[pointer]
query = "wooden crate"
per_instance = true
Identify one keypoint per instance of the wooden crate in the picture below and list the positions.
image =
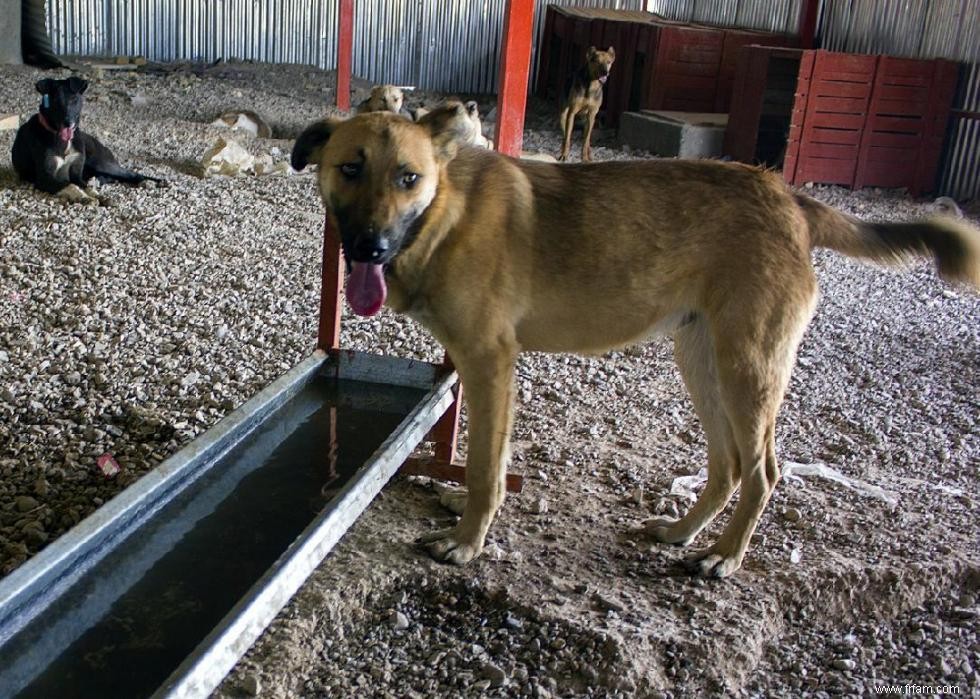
(684, 74)
(734, 41)
(621, 34)
(903, 138)
(832, 99)
(562, 51)
(660, 64)
(759, 119)
(855, 120)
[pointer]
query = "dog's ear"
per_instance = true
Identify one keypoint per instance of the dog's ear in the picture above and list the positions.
(77, 85)
(591, 52)
(472, 107)
(449, 126)
(44, 86)
(611, 51)
(310, 143)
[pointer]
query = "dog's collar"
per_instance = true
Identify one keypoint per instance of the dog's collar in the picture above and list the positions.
(48, 127)
(45, 124)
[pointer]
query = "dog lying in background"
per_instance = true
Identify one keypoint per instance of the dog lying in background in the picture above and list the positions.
(57, 157)
(474, 131)
(497, 256)
(583, 94)
(384, 98)
(244, 120)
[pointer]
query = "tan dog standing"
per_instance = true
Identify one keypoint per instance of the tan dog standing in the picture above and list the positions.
(583, 94)
(496, 256)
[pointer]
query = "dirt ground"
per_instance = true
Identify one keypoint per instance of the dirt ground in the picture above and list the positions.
(189, 298)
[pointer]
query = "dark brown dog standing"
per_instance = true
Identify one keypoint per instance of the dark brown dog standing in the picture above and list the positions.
(496, 256)
(584, 94)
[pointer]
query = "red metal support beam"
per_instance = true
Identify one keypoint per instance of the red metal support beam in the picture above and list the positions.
(445, 435)
(807, 27)
(515, 64)
(345, 52)
(331, 281)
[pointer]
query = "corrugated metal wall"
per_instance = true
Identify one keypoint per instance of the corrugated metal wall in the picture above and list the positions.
(767, 15)
(452, 45)
(291, 31)
(445, 45)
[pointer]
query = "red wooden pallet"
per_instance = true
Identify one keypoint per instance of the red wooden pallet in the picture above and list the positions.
(903, 137)
(832, 98)
(856, 120)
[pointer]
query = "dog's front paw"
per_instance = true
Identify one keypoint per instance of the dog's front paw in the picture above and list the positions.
(666, 530)
(448, 546)
(713, 563)
(76, 195)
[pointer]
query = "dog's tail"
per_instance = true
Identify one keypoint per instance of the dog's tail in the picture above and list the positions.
(952, 243)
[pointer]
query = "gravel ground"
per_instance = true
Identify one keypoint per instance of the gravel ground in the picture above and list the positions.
(130, 328)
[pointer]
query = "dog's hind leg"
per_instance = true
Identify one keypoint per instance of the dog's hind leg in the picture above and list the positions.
(695, 356)
(113, 172)
(101, 164)
(754, 358)
(488, 383)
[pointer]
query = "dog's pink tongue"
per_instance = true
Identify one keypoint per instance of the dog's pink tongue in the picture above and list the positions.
(366, 289)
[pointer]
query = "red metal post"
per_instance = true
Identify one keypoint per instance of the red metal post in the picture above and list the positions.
(345, 52)
(515, 64)
(445, 434)
(328, 333)
(807, 27)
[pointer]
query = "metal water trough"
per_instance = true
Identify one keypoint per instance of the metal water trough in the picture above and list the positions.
(162, 590)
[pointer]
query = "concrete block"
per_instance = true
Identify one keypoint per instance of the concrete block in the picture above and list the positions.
(674, 134)
(9, 122)
(10, 46)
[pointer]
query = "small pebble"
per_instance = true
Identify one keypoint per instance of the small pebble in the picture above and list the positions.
(25, 503)
(398, 621)
(250, 685)
(495, 674)
(539, 506)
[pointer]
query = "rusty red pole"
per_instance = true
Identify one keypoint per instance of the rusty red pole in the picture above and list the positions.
(331, 281)
(515, 63)
(345, 52)
(807, 27)
(445, 434)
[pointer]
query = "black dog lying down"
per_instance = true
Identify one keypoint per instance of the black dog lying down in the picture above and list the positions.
(57, 157)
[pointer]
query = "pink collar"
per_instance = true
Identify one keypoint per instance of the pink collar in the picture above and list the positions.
(56, 132)
(44, 123)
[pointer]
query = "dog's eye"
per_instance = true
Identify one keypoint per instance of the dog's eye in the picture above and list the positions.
(351, 170)
(409, 179)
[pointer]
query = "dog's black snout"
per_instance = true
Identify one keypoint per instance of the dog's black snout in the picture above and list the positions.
(370, 249)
